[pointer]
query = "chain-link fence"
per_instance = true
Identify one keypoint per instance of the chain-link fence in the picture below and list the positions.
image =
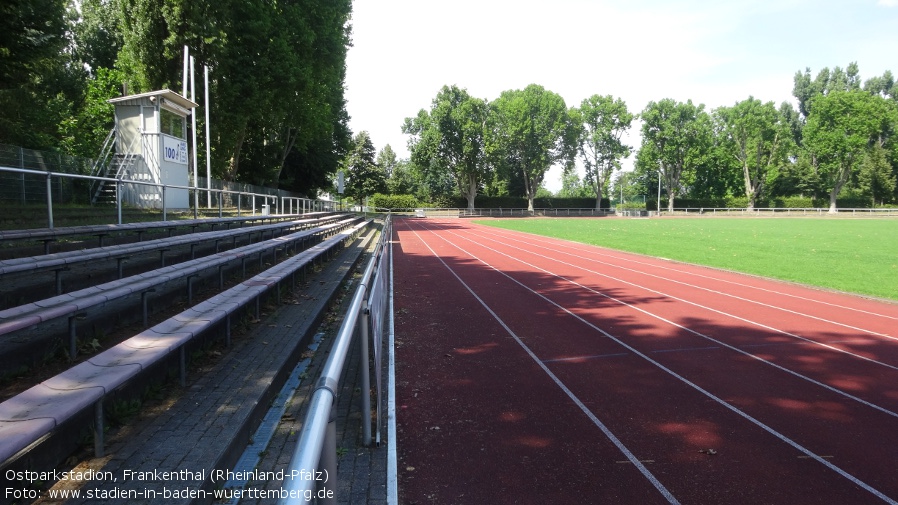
(26, 188)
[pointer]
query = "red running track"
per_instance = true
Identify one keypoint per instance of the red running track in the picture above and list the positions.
(535, 370)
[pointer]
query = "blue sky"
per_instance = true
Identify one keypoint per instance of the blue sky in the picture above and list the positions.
(716, 53)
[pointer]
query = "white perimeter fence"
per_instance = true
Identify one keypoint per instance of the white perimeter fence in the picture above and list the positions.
(684, 211)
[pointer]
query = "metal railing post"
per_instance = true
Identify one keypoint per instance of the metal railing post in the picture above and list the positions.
(118, 199)
(49, 200)
(366, 378)
(328, 463)
(22, 166)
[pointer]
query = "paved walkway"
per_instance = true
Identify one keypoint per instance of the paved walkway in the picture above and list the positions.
(171, 455)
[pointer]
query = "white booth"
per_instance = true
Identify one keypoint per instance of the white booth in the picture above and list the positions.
(151, 146)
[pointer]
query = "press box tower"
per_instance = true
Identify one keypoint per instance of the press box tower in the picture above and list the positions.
(151, 146)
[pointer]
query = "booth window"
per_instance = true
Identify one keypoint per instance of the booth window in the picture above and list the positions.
(172, 124)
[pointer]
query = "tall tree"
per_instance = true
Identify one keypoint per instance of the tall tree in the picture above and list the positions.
(363, 177)
(875, 176)
(312, 65)
(805, 89)
(603, 120)
(83, 132)
(840, 131)
(572, 186)
(142, 56)
(758, 138)
(450, 138)
(675, 140)
(387, 161)
(98, 35)
(32, 64)
(882, 85)
(529, 132)
(402, 180)
(277, 80)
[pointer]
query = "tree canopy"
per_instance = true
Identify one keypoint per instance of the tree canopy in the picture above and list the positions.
(529, 131)
(841, 129)
(602, 121)
(364, 177)
(839, 143)
(278, 113)
(758, 138)
(450, 138)
(675, 141)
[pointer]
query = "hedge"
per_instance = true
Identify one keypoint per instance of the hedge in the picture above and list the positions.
(380, 201)
(514, 202)
(791, 202)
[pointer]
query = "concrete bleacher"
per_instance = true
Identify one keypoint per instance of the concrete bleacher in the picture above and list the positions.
(50, 235)
(29, 418)
(65, 261)
(44, 319)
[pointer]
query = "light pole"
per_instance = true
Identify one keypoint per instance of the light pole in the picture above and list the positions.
(621, 180)
(659, 193)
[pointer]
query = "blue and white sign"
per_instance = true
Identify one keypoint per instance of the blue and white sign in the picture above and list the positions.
(174, 150)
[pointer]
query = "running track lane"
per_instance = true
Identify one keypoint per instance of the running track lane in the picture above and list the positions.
(541, 371)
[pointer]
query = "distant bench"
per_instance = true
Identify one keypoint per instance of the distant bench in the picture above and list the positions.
(76, 304)
(60, 262)
(48, 235)
(31, 417)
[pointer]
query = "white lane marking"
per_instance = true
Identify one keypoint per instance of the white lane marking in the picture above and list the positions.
(677, 325)
(510, 234)
(733, 316)
(807, 452)
(605, 430)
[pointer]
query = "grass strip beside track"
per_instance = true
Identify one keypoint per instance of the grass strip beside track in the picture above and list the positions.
(853, 255)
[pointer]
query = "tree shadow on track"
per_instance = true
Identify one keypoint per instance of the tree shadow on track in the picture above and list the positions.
(476, 411)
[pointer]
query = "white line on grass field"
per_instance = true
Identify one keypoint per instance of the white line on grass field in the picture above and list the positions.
(807, 452)
(607, 432)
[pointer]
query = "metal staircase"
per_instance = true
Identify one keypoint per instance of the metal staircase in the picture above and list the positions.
(110, 165)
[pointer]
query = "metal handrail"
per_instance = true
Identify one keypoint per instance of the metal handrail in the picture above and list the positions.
(119, 181)
(107, 149)
(104, 152)
(314, 461)
(102, 161)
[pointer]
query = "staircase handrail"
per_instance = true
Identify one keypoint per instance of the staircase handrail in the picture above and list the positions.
(129, 156)
(103, 159)
(104, 153)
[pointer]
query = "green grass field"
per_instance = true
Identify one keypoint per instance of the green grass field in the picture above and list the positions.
(855, 255)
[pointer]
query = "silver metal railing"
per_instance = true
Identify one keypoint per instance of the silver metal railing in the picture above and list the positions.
(312, 472)
(251, 198)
